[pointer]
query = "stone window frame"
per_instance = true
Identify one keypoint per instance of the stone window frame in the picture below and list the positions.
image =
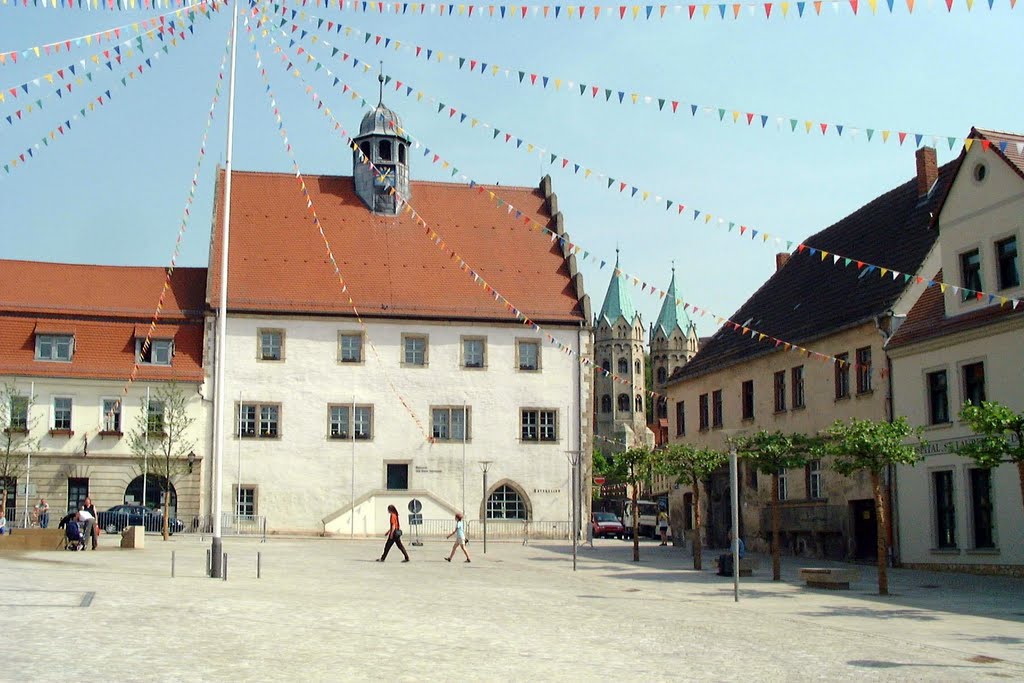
(410, 336)
(260, 358)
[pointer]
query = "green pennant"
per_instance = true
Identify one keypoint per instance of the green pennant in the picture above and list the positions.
(610, 181)
(89, 76)
(387, 79)
(661, 104)
(496, 131)
(367, 39)
(668, 204)
(952, 141)
(440, 107)
(607, 94)
(721, 114)
(789, 246)
(522, 75)
(792, 125)
(583, 88)
(731, 226)
(846, 261)
(870, 132)
(553, 157)
(462, 60)
(318, 66)
(124, 82)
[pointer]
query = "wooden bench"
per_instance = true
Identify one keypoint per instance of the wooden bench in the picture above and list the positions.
(133, 537)
(831, 579)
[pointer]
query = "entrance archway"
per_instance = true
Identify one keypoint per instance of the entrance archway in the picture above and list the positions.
(154, 493)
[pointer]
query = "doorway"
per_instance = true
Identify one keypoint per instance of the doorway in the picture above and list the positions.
(865, 529)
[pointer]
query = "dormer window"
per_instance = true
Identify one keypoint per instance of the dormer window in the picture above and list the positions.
(159, 351)
(55, 347)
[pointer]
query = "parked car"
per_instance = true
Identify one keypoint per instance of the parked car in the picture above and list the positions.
(606, 524)
(118, 517)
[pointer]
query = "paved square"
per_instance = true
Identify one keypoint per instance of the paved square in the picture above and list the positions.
(324, 610)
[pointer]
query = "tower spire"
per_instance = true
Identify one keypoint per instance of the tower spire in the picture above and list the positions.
(380, 80)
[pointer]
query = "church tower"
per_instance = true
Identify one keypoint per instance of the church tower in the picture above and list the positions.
(382, 141)
(673, 341)
(621, 420)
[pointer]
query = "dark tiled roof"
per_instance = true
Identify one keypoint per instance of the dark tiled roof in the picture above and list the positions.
(807, 299)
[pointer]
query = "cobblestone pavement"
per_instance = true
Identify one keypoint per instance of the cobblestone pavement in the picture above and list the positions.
(324, 610)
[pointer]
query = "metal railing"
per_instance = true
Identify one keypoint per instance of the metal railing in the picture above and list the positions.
(497, 529)
(230, 525)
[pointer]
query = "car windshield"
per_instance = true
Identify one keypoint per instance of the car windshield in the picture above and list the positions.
(605, 517)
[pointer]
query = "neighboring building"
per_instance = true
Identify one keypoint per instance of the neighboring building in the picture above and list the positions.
(954, 348)
(737, 384)
(620, 396)
(332, 416)
(70, 336)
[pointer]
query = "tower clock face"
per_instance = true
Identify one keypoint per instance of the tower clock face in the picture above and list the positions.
(384, 176)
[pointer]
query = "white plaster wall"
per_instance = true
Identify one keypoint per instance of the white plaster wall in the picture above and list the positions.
(303, 477)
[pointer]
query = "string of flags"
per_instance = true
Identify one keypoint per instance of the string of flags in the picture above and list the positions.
(620, 186)
(110, 34)
(91, 106)
(101, 5)
(600, 93)
(186, 215)
(323, 236)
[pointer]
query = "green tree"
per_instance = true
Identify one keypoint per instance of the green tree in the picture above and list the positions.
(1002, 432)
(16, 442)
(632, 467)
(873, 446)
(771, 453)
(690, 466)
(160, 440)
(601, 468)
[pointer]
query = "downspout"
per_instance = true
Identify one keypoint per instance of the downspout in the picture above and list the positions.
(890, 405)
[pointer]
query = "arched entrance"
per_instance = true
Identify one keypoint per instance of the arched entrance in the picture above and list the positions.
(154, 490)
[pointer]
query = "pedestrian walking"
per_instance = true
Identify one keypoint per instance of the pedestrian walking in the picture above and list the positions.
(94, 533)
(43, 513)
(460, 538)
(663, 526)
(394, 535)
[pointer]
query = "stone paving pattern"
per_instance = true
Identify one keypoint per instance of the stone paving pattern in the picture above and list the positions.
(324, 610)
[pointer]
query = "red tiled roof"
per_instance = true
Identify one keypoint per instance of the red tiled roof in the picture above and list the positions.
(279, 264)
(1010, 154)
(102, 306)
(927, 318)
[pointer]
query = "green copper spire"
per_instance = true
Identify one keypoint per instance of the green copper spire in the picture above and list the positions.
(672, 315)
(617, 302)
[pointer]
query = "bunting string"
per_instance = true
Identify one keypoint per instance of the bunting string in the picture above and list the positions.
(109, 34)
(599, 93)
(315, 219)
(101, 100)
(99, 5)
(619, 186)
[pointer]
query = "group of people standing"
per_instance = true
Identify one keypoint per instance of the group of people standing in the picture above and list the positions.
(394, 537)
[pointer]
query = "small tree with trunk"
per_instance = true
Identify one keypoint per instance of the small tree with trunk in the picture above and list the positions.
(160, 440)
(632, 467)
(873, 446)
(1002, 437)
(770, 453)
(16, 442)
(690, 466)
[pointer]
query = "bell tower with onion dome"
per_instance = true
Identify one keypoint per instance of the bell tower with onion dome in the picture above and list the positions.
(382, 141)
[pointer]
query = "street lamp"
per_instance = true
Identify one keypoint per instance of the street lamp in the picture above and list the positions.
(484, 466)
(574, 486)
(734, 484)
(191, 461)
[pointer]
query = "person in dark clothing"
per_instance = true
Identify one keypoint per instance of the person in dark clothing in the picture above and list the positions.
(94, 532)
(725, 566)
(394, 536)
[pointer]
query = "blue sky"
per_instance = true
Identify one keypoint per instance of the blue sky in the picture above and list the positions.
(113, 189)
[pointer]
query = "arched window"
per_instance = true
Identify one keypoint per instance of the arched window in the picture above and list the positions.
(639, 404)
(662, 375)
(506, 503)
(385, 150)
(638, 368)
(623, 366)
(401, 154)
(606, 403)
(624, 403)
(606, 366)
(663, 407)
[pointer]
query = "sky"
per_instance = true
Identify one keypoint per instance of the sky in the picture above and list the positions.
(112, 190)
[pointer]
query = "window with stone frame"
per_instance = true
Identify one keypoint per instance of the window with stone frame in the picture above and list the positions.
(450, 423)
(798, 387)
(1006, 260)
(703, 414)
(780, 391)
(62, 406)
(938, 397)
(258, 420)
(863, 358)
(350, 347)
(842, 375)
(414, 350)
(747, 391)
(680, 418)
(528, 355)
(340, 423)
(717, 409)
(473, 352)
(17, 417)
(271, 345)
(974, 383)
(538, 424)
(55, 347)
(970, 274)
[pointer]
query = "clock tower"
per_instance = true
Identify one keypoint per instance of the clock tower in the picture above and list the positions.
(381, 142)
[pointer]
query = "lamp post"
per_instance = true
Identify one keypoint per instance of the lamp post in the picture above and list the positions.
(191, 461)
(484, 466)
(574, 486)
(735, 495)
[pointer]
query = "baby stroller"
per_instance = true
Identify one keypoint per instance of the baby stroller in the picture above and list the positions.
(73, 539)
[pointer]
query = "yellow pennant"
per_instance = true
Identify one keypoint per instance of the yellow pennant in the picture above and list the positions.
(886, 270)
(706, 9)
(529, 147)
(634, 97)
(942, 287)
(807, 125)
(586, 173)
(885, 136)
(636, 11)
(967, 143)
(646, 195)
(558, 83)
(873, 4)
(785, 8)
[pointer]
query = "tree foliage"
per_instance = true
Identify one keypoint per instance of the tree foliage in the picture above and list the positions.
(1002, 432)
(16, 440)
(690, 466)
(633, 467)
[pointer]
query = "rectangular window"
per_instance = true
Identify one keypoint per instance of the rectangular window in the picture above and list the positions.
(339, 418)
(981, 508)
(528, 354)
(18, 415)
(111, 418)
(62, 414)
(974, 383)
(450, 424)
(798, 387)
(780, 391)
(155, 418)
(539, 425)
(842, 375)
(680, 418)
(58, 347)
(414, 350)
(473, 352)
(703, 416)
(938, 398)
(259, 420)
(748, 399)
(1006, 257)
(814, 479)
(271, 345)
(397, 476)
(945, 509)
(863, 370)
(717, 417)
(783, 485)
(9, 485)
(78, 491)
(159, 351)
(970, 274)
(245, 501)
(350, 348)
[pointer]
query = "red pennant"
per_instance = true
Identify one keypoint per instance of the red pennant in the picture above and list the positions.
(902, 136)
(691, 8)
(853, 4)
(767, 10)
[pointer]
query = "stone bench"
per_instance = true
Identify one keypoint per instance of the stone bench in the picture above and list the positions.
(133, 537)
(831, 579)
(32, 539)
(747, 566)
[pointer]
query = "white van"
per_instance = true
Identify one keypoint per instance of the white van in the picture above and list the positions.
(647, 511)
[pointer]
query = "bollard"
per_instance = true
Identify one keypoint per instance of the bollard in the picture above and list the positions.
(208, 570)
(225, 567)
(258, 563)
(172, 564)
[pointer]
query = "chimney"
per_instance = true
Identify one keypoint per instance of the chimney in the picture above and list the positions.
(781, 259)
(927, 170)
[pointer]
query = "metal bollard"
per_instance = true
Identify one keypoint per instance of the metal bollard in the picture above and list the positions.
(258, 563)
(225, 567)
(172, 564)
(208, 567)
